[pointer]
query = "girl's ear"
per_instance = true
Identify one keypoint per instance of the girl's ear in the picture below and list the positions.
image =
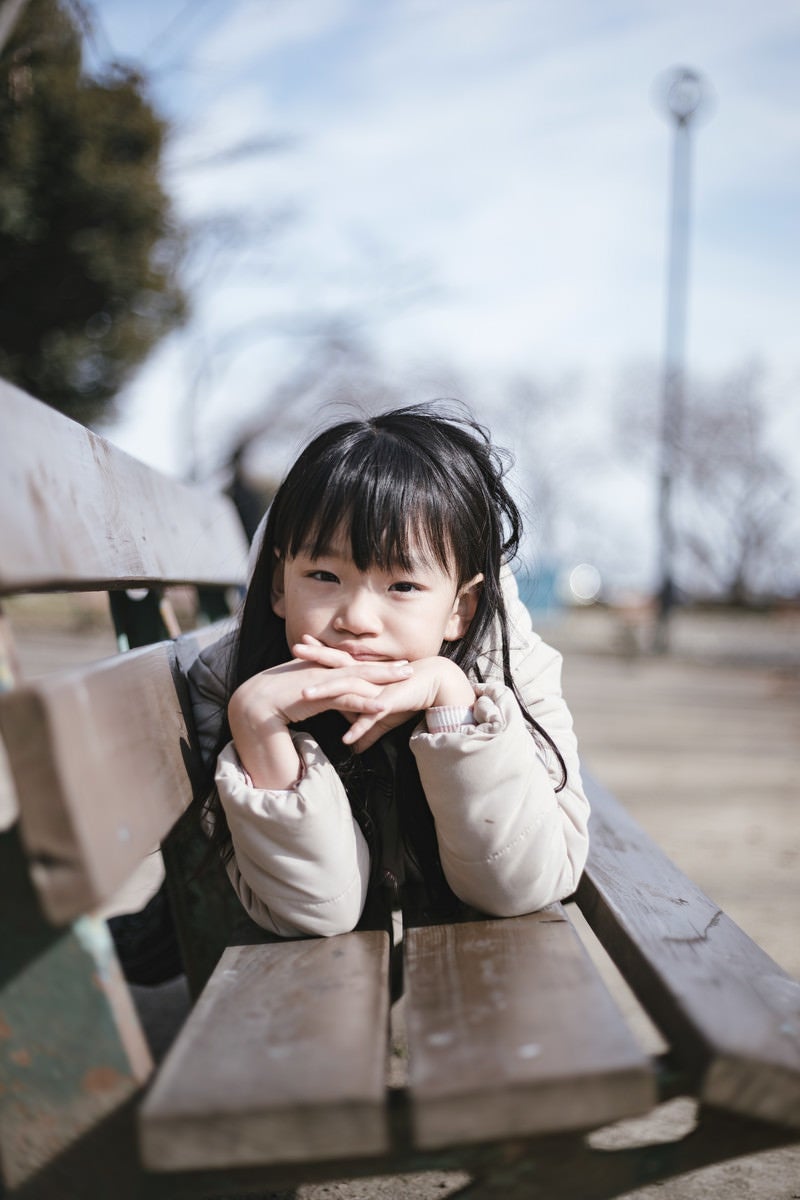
(463, 610)
(277, 593)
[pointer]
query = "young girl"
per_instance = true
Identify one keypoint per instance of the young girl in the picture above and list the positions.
(385, 719)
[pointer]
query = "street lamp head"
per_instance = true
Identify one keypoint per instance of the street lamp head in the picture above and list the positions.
(683, 94)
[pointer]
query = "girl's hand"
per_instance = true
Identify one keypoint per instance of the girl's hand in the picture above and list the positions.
(428, 682)
(297, 690)
(312, 650)
(434, 681)
(263, 707)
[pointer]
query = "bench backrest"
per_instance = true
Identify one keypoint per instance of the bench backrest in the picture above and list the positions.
(79, 514)
(99, 753)
(95, 770)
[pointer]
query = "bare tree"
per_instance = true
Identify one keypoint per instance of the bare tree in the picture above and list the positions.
(544, 423)
(733, 510)
(234, 390)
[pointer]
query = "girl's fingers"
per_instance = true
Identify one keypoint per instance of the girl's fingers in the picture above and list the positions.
(366, 728)
(323, 655)
(310, 650)
(360, 726)
(357, 706)
(364, 731)
(367, 675)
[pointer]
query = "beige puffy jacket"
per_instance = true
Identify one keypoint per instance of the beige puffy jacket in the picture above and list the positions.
(508, 842)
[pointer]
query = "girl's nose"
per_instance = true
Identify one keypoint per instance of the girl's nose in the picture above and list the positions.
(357, 614)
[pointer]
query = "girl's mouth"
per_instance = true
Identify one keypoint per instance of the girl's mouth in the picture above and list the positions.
(363, 655)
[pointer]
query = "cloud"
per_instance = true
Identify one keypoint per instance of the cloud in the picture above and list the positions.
(514, 145)
(252, 32)
(507, 158)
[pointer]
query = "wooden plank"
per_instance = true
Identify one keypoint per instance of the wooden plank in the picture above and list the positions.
(282, 1060)
(731, 1014)
(99, 757)
(79, 513)
(511, 1032)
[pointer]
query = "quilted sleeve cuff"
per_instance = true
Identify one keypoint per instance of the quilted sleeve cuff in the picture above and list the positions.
(448, 718)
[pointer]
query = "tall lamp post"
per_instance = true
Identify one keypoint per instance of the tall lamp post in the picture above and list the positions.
(682, 94)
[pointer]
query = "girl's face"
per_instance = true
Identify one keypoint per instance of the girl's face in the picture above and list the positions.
(374, 614)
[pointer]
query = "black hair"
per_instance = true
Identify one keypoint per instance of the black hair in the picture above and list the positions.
(423, 479)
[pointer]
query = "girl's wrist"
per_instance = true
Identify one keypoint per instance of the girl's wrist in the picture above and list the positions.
(265, 748)
(454, 689)
(272, 762)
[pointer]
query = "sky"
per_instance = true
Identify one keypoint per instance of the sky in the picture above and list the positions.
(478, 192)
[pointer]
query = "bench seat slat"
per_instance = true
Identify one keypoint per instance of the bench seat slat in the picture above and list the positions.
(731, 1014)
(511, 1032)
(99, 756)
(78, 512)
(283, 1059)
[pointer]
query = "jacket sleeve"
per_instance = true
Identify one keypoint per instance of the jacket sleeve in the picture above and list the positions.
(509, 841)
(300, 863)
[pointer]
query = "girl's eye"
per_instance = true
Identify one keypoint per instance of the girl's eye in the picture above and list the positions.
(404, 585)
(323, 576)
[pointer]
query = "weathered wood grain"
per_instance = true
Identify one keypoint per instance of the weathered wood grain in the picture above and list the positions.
(511, 1032)
(99, 757)
(731, 1014)
(283, 1059)
(79, 513)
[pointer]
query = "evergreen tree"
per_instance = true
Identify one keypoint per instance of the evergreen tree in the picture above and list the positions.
(88, 248)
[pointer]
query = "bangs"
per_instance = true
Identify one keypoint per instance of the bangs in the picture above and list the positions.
(417, 485)
(387, 504)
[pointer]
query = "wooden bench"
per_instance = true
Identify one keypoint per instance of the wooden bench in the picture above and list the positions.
(517, 1051)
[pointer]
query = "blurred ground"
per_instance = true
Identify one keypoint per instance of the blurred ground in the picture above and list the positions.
(701, 745)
